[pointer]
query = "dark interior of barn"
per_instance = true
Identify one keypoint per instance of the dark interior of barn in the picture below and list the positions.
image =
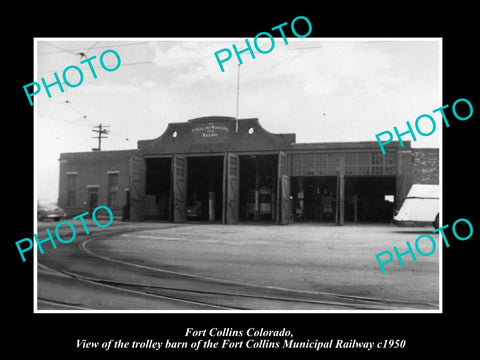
(157, 188)
(258, 172)
(366, 199)
(204, 188)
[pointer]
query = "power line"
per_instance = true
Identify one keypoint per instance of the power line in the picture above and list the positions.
(60, 48)
(101, 131)
(124, 138)
(75, 121)
(73, 51)
(75, 109)
(98, 67)
(306, 47)
(139, 63)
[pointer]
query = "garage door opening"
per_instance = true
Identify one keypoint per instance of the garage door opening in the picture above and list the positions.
(157, 188)
(204, 188)
(369, 199)
(258, 185)
(314, 198)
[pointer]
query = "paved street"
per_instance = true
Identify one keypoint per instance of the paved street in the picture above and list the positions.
(163, 266)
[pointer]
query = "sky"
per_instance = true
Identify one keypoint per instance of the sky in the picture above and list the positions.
(323, 90)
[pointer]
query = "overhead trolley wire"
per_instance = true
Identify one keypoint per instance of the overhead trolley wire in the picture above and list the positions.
(73, 51)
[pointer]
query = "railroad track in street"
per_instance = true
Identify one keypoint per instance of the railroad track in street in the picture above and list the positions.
(209, 293)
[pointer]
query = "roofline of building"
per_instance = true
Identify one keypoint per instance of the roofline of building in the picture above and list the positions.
(347, 145)
(96, 153)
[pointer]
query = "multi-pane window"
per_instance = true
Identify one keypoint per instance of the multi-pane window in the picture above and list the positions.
(355, 163)
(233, 166)
(112, 185)
(390, 163)
(71, 188)
(377, 163)
(321, 162)
(180, 167)
(333, 163)
(308, 163)
(363, 163)
(296, 164)
(350, 163)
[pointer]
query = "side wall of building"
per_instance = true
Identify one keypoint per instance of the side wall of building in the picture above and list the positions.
(425, 166)
(90, 179)
(416, 166)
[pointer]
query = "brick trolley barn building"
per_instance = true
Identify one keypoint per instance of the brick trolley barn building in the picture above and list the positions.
(230, 171)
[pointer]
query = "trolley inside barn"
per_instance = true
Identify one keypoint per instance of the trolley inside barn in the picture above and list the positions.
(220, 169)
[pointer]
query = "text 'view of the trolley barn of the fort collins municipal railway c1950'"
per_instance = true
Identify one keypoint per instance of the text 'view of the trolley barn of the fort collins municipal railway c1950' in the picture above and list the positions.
(227, 170)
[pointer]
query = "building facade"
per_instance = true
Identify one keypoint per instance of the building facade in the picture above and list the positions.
(220, 169)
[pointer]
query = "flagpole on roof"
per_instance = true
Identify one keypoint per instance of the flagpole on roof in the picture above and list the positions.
(238, 94)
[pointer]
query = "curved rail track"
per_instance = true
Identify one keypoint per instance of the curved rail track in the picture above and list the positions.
(209, 293)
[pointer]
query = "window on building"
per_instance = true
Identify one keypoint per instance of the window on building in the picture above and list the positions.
(112, 198)
(351, 164)
(390, 163)
(377, 163)
(363, 163)
(297, 165)
(71, 189)
(321, 164)
(233, 166)
(308, 163)
(180, 167)
(356, 163)
(333, 163)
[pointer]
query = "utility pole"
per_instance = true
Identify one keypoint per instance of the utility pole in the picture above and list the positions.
(101, 131)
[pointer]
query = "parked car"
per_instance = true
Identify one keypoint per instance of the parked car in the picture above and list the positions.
(196, 210)
(49, 210)
(420, 206)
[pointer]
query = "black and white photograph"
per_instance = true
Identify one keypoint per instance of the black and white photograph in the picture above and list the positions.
(247, 186)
